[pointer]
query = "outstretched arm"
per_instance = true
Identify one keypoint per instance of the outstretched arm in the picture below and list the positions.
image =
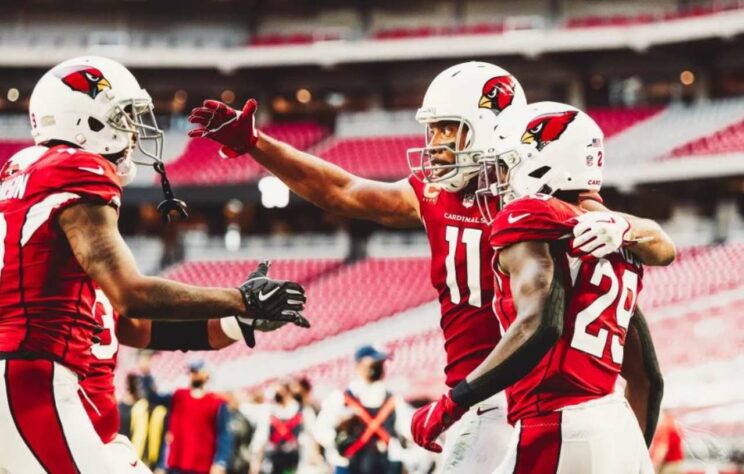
(653, 246)
(94, 239)
(322, 183)
(645, 385)
(334, 189)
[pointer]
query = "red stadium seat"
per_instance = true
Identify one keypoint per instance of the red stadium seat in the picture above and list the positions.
(728, 140)
(200, 164)
(371, 157)
(613, 121)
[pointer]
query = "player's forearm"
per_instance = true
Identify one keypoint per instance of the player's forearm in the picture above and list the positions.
(655, 247)
(160, 299)
(645, 388)
(336, 190)
(312, 178)
(521, 348)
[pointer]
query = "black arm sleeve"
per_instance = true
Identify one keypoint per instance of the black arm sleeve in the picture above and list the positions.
(526, 357)
(179, 336)
(653, 372)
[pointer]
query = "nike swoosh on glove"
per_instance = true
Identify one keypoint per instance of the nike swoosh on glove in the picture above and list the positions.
(236, 132)
(433, 419)
(600, 233)
(270, 303)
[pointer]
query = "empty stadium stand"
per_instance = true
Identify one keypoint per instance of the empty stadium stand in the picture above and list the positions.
(371, 157)
(697, 272)
(201, 164)
(613, 120)
(705, 330)
(671, 128)
(728, 140)
(346, 297)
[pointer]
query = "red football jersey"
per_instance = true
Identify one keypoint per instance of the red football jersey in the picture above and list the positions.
(600, 300)
(460, 272)
(98, 395)
(46, 299)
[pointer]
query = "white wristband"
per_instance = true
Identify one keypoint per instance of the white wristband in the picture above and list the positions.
(231, 328)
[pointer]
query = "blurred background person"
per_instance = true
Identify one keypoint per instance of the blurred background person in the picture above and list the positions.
(199, 441)
(143, 412)
(276, 442)
(361, 426)
(667, 451)
(241, 432)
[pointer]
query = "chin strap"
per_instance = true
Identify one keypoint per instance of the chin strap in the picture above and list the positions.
(171, 209)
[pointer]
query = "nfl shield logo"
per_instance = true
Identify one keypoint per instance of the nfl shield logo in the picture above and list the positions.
(468, 201)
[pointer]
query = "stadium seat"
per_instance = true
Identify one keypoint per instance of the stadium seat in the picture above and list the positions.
(697, 272)
(615, 120)
(727, 140)
(371, 157)
(341, 298)
(200, 163)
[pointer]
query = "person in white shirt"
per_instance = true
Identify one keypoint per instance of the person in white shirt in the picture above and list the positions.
(361, 427)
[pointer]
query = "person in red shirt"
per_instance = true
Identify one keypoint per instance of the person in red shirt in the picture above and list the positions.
(198, 438)
(440, 196)
(59, 205)
(667, 451)
(565, 317)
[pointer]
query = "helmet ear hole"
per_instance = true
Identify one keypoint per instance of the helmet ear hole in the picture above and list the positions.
(95, 124)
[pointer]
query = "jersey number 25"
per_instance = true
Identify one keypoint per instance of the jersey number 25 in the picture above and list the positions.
(627, 287)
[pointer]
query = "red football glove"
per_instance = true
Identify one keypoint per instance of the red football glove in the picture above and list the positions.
(432, 420)
(236, 133)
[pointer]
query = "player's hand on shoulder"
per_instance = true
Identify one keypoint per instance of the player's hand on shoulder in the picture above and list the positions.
(431, 420)
(235, 131)
(600, 233)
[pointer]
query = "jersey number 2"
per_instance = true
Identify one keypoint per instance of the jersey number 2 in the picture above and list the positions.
(595, 344)
(471, 238)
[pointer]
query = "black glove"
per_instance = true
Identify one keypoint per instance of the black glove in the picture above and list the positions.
(271, 303)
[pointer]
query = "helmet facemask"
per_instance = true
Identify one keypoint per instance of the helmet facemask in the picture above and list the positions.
(428, 167)
(494, 188)
(136, 117)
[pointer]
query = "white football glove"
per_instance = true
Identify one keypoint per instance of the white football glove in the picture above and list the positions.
(600, 233)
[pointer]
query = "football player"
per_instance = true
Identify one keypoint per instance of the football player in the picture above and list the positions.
(97, 389)
(59, 205)
(440, 195)
(565, 317)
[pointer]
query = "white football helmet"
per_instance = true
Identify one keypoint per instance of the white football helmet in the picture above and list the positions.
(546, 147)
(475, 95)
(95, 103)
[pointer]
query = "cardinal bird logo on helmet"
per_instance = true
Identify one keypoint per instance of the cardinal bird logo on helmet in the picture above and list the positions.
(497, 94)
(85, 79)
(547, 128)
